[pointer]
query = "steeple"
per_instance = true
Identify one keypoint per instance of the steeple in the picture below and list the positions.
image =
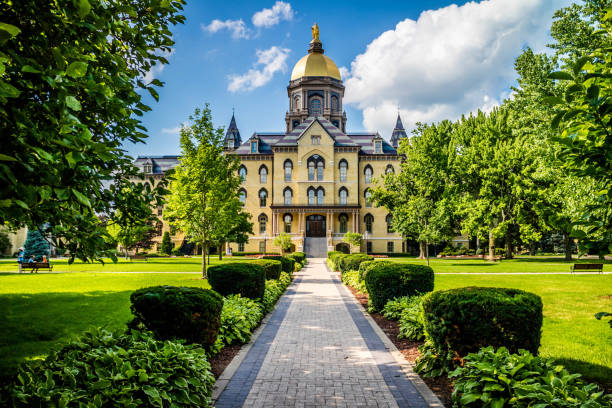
(232, 135)
(398, 132)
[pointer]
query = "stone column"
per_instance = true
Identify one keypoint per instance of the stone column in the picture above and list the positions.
(273, 223)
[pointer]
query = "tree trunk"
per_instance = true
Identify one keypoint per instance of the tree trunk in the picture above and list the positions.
(220, 252)
(427, 252)
(491, 245)
(532, 248)
(508, 243)
(203, 261)
(422, 249)
(567, 246)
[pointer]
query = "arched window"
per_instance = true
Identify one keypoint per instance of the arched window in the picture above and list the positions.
(288, 169)
(148, 168)
(288, 194)
(368, 174)
(320, 171)
(320, 194)
(242, 173)
(343, 218)
(389, 169)
(315, 162)
(311, 171)
(263, 197)
(343, 194)
(296, 103)
(316, 140)
(263, 220)
(368, 198)
(315, 107)
(230, 142)
(334, 103)
(311, 196)
(296, 123)
(242, 196)
(288, 218)
(343, 169)
(389, 220)
(263, 174)
(158, 228)
(369, 220)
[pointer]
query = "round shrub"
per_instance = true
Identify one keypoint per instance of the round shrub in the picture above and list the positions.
(171, 312)
(386, 281)
(463, 320)
(288, 264)
(273, 268)
(351, 262)
(299, 257)
(333, 258)
(365, 266)
(104, 369)
(245, 278)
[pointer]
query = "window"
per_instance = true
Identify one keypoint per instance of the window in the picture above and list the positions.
(262, 247)
(369, 247)
(242, 196)
(296, 123)
(288, 194)
(368, 198)
(378, 146)
(263, 197)
(320, 171)
(343, 195)
(242, 173)
(316, 140)
(389, 220)
(315, 162)
(230, 142)
(369, 220)
(158, 228)
(288, 169)
(311, 196)
(368, 174)
(288, 218)
(389, 169)
(343, 169)
(263, 174)
(263, 219)
(334, 103)
(148, 168)
(311, 171)
(315, 107)
(254, 146)
(390, 247)
(241, 247)
(160, 211)
(320, 194)
(343, 218)
(336, 124)
(296, 103)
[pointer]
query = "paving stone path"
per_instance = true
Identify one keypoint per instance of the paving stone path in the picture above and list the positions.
(318, 350)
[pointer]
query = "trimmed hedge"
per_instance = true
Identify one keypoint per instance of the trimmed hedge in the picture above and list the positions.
(463, 320)
(351, 262)
(386, 281)
(365, 266)
(333, 258)
(288, 264)
(245, 278)
(171, 312)
(299, 257)
(273, 268)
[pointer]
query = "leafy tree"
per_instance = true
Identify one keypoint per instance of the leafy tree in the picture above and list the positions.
(283, 241)
(203, 201)
(71, 83)
(240, 231)
(133, 236)
(35, 245)
(166, 244)
(353, 239)
(5, 243)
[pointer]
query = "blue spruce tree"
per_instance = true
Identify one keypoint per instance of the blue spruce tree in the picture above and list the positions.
(35, 245)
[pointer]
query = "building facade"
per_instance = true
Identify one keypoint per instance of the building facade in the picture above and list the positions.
(314, 179)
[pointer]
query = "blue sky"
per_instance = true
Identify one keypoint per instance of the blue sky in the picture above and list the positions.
(435, 59)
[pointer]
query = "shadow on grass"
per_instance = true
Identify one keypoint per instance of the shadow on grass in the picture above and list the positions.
(557, 260)
(34, 324)
(472, 264)
(590, 372)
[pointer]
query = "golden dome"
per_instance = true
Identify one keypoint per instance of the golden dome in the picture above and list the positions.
(316, 65)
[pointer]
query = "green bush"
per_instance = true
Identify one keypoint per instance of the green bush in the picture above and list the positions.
(274, 290)
(244, 278)
(298, 267)
(299, 257)
(408, 311)
(287, 263)
(351, 262)
(103, 369)
(351, 278)
(386, 281)
(365, 266)
(463, 320)
(239, 318)
(494, 379)
(170, 312)
(273, 268)
(177, 252)
(332, 256)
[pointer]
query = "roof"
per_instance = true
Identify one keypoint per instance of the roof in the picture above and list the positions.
(160, 164)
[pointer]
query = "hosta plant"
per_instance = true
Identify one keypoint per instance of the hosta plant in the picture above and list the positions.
(408, 310)
(239, 317)
(351, 278)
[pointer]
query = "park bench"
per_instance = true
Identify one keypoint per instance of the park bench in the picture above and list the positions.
(138, 257)
(35, 266)
(587, 267)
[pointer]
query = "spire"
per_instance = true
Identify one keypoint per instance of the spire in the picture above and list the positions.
(398, 132)
(232, 135)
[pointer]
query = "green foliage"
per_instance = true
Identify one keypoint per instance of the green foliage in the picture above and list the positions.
(108, 369)
(239, 317)
(283, 241)
(463, 320)
(333, 258)
(272, 267)
(287, 263)
(365, 266)
(166, 244)
(170, 312)
(244, 278)
(496, 378)
(70, 97)
(389, 281)
(408, 310)
(5, 243)
(298, 257)
(353, 239)
(351, 278)
(351, 262)
(35, 245)
(274, 290)
(433, 362)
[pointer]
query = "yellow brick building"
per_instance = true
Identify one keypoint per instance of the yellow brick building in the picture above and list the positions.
(312, 180)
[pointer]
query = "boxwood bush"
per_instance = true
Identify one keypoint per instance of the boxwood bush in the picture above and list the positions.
(299, 257)
(332, 257)
(273, 268)
(351, 278)
(170, 312)
(104, 369)
(274, 290)
(365, 266)
(386, 281)
(351, 262)
(288, 264)
(245, 278)
(463, 320)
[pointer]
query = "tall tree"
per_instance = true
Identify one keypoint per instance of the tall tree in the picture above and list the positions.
(35, 245)
(71, 83)
(203, 201)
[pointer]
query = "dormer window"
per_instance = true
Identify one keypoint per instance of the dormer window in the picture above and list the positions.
(230, 142)
(316, 140)
(148, 168)
(378, 146)
(254, 148)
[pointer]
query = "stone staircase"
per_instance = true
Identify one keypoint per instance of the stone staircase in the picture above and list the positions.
(315, 247)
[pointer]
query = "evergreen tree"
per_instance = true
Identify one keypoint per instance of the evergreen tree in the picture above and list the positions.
(35, 245)
(166, 244)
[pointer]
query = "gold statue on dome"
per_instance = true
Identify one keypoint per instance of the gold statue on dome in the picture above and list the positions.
(315, 32)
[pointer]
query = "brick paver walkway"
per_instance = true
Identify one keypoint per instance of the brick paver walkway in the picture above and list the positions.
(319, 350)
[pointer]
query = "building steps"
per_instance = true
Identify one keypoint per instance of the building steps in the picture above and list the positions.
(315, 247)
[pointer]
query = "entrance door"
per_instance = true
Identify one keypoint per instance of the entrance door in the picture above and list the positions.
(315, 226)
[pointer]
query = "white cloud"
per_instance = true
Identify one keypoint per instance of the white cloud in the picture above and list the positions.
(174, 130)
(156, 70)
(237, 27)
(269, 17)
(450, 61)
(272, 60)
